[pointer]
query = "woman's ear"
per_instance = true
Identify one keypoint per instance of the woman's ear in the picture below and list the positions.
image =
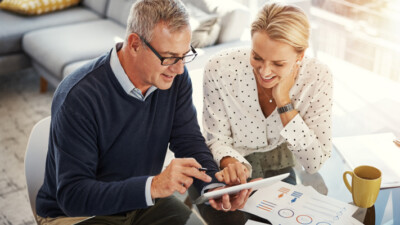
(300, 56)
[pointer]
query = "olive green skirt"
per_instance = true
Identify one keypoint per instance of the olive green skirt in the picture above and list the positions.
(265, 163)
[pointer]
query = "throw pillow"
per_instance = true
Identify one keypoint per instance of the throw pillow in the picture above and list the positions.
(205, 27)
(233, 16)
(36, 7)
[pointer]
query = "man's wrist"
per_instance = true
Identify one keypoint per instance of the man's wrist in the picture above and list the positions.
(152, 188)
(149, 199)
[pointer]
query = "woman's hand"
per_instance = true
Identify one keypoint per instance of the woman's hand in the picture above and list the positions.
(233, 172)
(280, 92)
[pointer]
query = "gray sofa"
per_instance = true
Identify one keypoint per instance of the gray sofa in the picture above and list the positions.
(14, 26)
(55, 44)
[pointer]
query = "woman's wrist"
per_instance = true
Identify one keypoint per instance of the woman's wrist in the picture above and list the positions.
(226, 161)
(280, 102)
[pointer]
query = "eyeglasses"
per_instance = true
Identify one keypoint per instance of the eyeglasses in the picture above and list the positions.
(167, 61)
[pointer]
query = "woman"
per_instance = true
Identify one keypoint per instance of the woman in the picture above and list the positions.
(266, 106)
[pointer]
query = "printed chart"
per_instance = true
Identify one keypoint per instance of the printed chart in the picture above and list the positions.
(283, 203)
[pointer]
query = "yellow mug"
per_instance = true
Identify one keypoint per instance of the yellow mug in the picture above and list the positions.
(366, 183)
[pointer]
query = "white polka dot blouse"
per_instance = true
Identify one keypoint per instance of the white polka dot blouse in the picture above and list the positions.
(234, 124)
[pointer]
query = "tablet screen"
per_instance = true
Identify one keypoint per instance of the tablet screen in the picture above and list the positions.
(235, 189)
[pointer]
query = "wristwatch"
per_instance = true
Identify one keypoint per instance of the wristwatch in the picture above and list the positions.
(285, 108)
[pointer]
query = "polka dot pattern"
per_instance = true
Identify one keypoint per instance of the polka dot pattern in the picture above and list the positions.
(235, 126)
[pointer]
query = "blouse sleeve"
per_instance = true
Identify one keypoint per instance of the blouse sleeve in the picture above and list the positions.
(308, 134)
(216, 124)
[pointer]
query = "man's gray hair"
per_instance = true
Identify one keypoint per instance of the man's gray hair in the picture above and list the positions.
(146, 14)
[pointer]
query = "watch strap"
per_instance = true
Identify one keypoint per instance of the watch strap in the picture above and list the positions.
(285, 108)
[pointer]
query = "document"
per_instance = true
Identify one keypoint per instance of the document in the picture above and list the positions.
(376, 150)
(286, 204)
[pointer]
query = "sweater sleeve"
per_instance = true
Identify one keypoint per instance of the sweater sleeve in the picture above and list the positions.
(74, 140)
(186, 139)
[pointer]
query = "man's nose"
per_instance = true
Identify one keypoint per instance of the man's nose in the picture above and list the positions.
(178, 67)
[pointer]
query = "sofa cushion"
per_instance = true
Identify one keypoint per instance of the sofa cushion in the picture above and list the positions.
(57, 47)
(205, 27)
(13, 26)
(36, 7)
(118, 10)
(234, 17)
(98, 6)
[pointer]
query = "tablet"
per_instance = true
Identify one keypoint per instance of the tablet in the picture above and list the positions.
(235, 189)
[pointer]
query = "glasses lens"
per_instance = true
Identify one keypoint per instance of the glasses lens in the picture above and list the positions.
(172, 60)
(169, 61)
(188, 58)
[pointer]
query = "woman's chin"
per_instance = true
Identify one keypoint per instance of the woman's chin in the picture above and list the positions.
(268, 84)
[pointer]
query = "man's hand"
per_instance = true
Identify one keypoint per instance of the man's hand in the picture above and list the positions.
(178, 176)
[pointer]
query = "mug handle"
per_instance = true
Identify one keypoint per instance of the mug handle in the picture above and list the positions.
(345, 179)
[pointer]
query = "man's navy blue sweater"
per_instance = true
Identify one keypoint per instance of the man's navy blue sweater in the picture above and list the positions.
(104, 144)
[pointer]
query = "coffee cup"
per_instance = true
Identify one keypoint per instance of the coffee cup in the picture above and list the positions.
(365, 185)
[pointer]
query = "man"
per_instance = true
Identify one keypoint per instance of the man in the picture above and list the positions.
(112, 121)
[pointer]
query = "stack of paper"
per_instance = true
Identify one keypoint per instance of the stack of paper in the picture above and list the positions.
(376, 150)
(286, 204)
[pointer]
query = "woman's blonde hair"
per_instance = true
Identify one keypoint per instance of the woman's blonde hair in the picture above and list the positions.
(285, 23)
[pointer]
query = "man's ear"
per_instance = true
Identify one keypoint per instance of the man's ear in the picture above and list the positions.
(134, 42)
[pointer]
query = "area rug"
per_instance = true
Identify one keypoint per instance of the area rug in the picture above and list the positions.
(21, 106)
